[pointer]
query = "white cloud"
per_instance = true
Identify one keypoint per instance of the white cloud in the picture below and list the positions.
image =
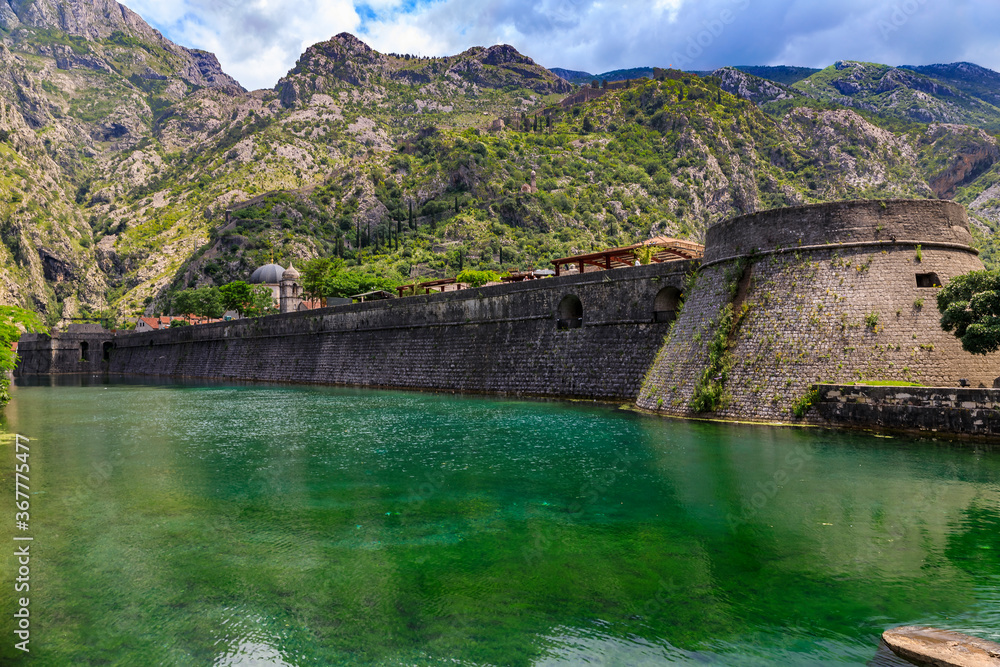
(259, 41)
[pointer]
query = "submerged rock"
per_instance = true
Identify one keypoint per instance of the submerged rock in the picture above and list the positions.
(941, 648)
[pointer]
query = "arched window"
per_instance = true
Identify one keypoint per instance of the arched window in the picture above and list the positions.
(665, 304)
(84, 351)
(928, 280)
(107, 350)
(570, 313)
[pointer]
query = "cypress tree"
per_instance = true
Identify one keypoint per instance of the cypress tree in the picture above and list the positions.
(456, 203)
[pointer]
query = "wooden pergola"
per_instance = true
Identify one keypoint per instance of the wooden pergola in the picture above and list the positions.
(665, 249)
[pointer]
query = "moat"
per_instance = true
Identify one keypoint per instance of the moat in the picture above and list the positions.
(213, 524)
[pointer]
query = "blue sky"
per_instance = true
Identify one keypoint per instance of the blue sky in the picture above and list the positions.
(257, 41)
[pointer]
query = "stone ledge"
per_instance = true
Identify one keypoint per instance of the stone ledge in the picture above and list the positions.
(942, 648)
(945, 410)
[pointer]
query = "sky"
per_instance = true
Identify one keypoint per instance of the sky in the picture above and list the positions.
(258, 41)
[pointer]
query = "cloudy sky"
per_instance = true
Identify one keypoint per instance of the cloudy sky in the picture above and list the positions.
(257, 41)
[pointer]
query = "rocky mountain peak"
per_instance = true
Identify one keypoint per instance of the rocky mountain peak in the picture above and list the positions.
(500, 54)
(750, 87)
(351, 43)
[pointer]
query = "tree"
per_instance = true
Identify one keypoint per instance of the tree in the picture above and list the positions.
(970, 308)
(349, 283)
(209, 302)
(182, 303)
(237, 295)
(588, 125)
(13, 321)
(315, 276)
(477, 278)
(203, 302)
(261, 302)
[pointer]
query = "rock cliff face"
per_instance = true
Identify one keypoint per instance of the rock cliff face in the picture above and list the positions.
(96, 21)
(974, 155)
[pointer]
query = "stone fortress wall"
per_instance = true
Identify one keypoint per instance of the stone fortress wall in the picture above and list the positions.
(829, 293)
(587, 336)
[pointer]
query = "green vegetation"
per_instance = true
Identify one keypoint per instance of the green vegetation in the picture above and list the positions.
(203, 302)
(970, 308)
(710, 393)
(801, 406)
(478, 278)
(13, 321)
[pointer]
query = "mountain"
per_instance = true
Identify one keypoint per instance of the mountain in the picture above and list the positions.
(758, 90)
(573, 76)
(782, 74)
(133, 167)
(970, 79)
(585, 78)
(899, 93)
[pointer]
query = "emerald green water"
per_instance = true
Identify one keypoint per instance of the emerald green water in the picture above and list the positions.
(259, 525)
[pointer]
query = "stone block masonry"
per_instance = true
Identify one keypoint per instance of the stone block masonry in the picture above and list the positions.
(832, 293)
(949, 410)
(503, 339)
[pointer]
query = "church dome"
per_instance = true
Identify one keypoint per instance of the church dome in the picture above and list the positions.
(290, 273)
(269, 274)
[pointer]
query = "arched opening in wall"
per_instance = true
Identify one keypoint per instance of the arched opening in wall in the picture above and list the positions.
(570, 313)
(106, 349)
(928, 280)
(84, 351)
(666, 303)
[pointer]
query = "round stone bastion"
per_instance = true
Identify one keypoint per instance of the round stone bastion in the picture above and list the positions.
(838, 293)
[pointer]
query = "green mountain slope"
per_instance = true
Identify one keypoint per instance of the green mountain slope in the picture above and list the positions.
(133, 167)
(968, 78)
(663, 157)
(899, 93)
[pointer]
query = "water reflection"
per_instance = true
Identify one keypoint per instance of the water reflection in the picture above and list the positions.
(249, 653)
(222, 524)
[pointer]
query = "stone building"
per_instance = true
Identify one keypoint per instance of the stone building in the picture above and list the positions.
(290, 300)
(269, 275)
(836, 293)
